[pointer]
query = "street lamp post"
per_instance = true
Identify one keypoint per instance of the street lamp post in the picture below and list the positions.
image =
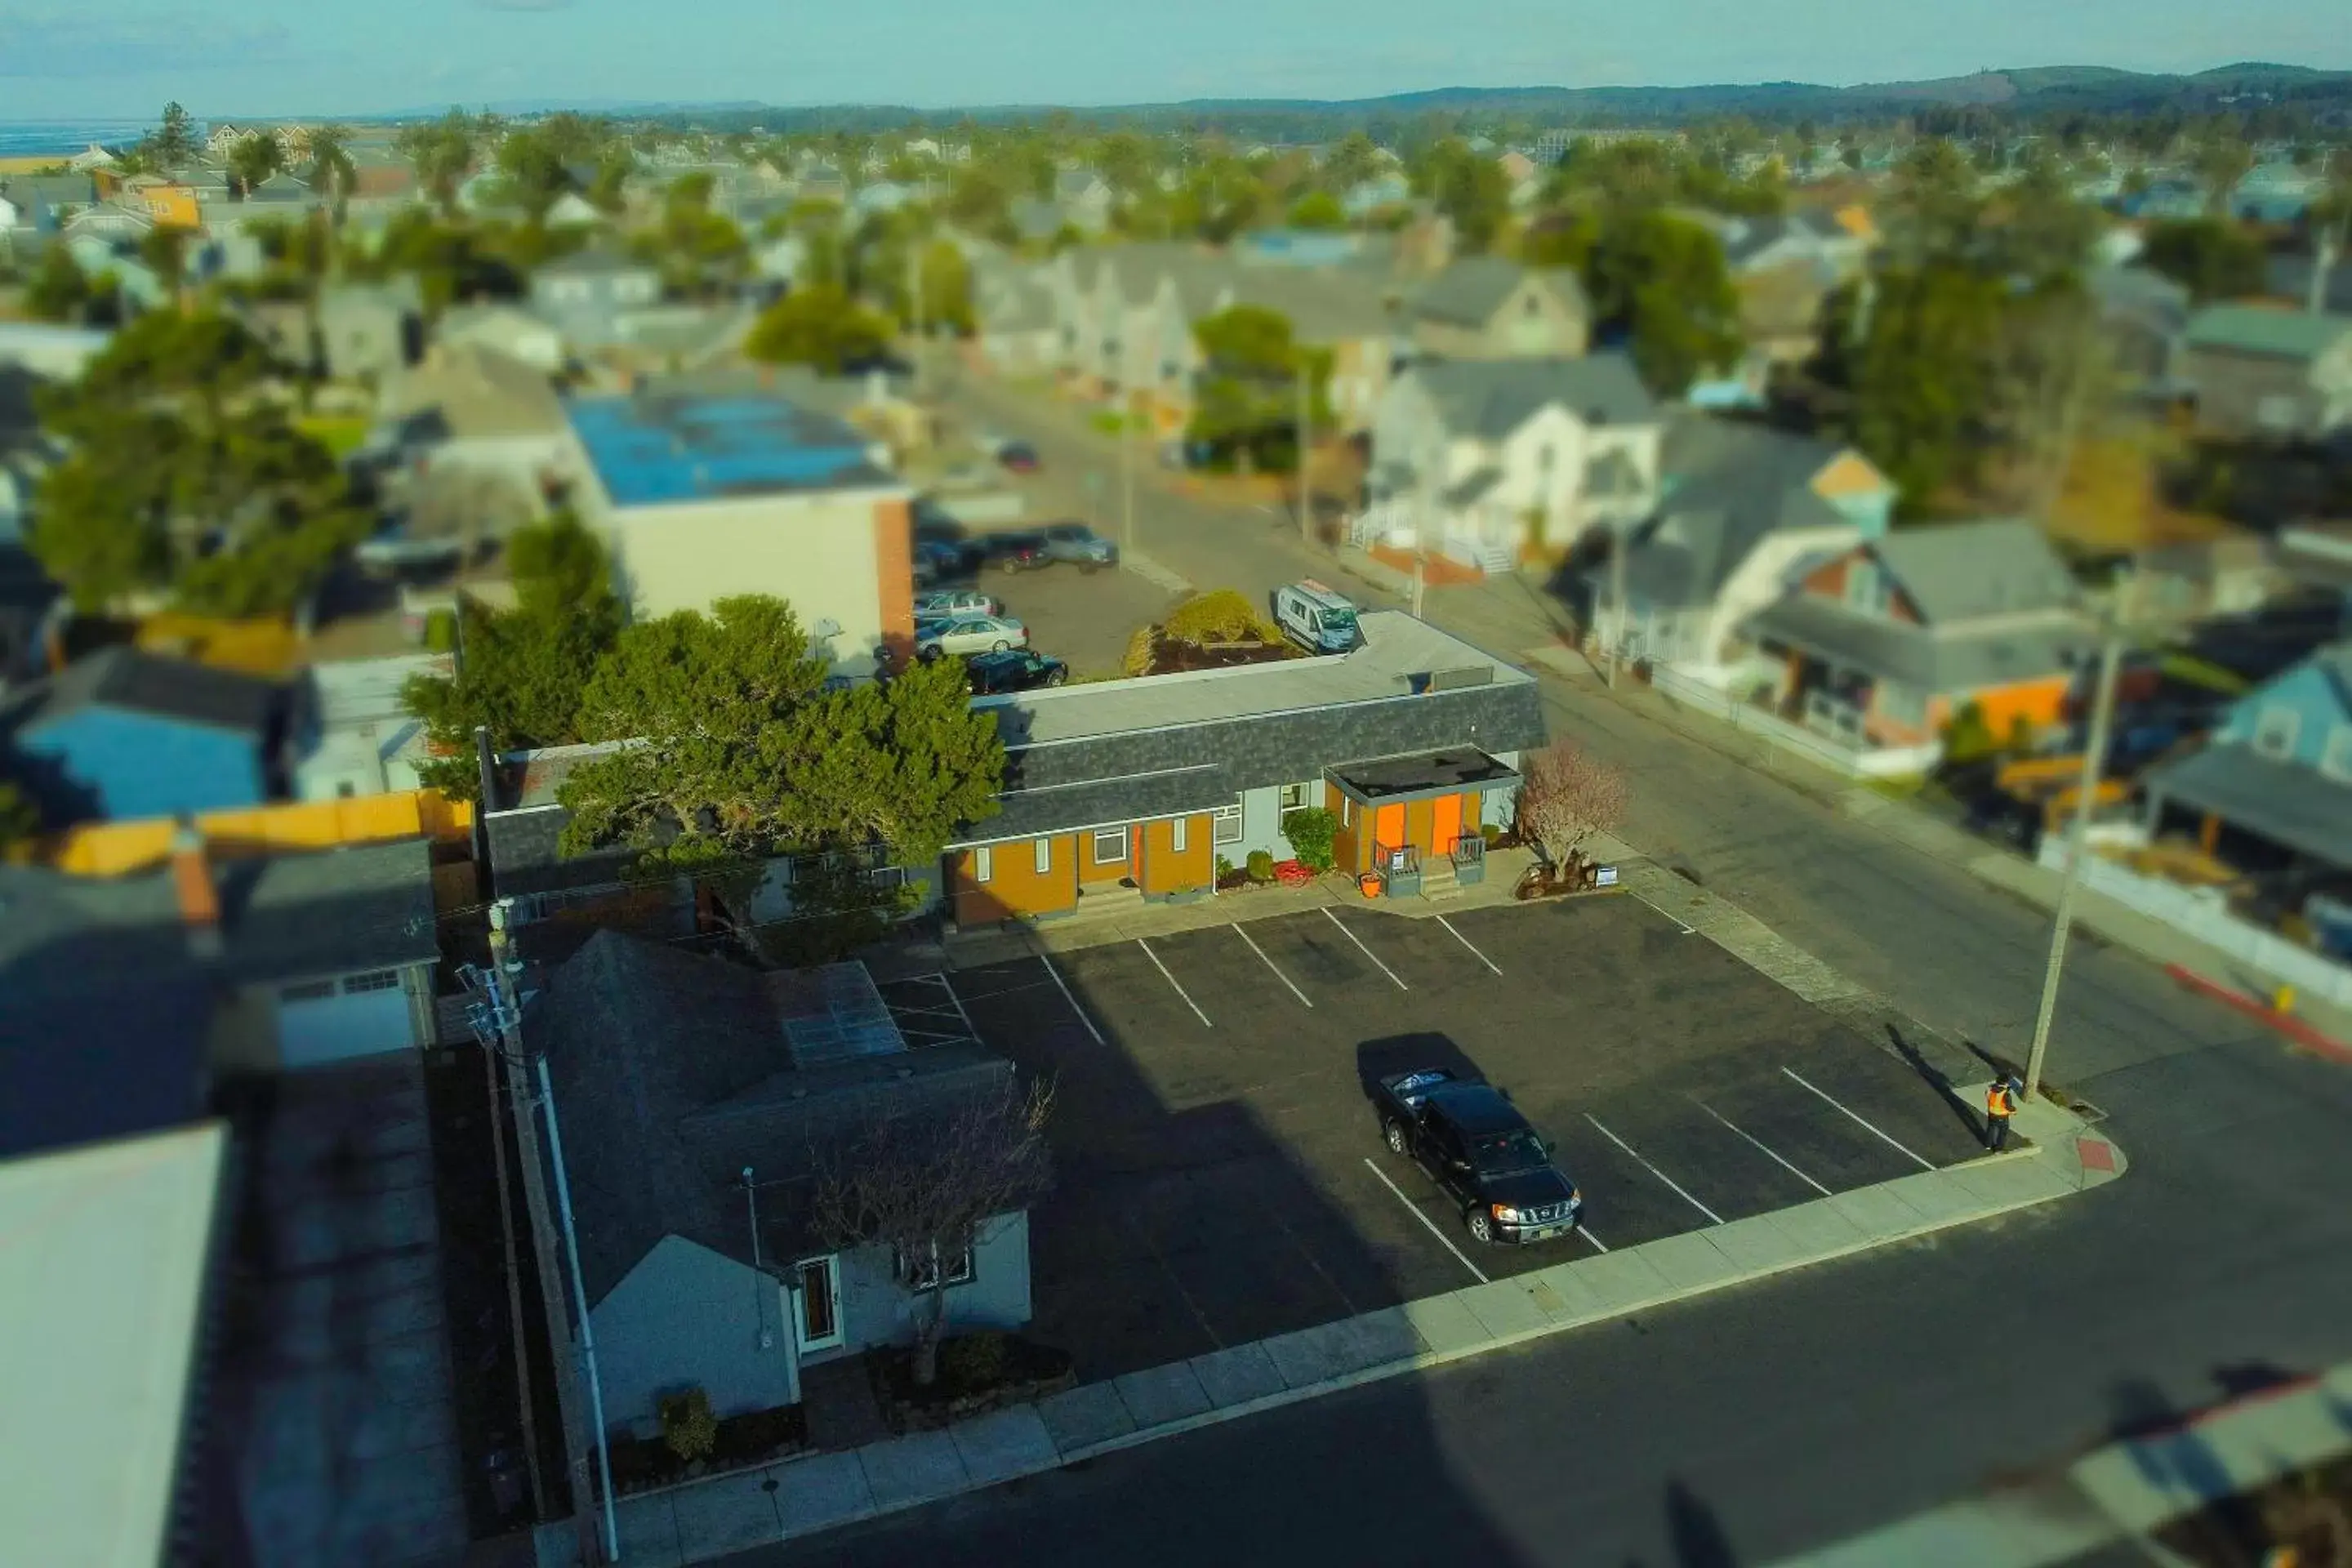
(2095, 755)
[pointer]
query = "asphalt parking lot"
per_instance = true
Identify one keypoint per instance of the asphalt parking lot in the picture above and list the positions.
(1219, 1173)
(1083, 618)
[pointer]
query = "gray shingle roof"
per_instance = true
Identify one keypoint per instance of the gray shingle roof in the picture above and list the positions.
(1961, 571)
(1953, 664)
(1468, 292)
(1488, 399)
(2296, 806)
(126, 678)
(672, 1073)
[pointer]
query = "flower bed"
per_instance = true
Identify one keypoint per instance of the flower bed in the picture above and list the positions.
(1294, 873)
(978, 1373)
(756, 1438)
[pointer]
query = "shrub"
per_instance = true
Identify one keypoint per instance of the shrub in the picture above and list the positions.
(1311, 830)
(688, 1427)
(974, 1363)
(1141, 648)
(1220, 616)
(441, 631)
(1968, 738)
(1261, 866)
(1225, 867)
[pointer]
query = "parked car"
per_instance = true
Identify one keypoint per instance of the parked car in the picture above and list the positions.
(1469, 1136)
(1074, 542)
(949, 602)
(1019, 456)
(969, 634)
(1015, 669)
(1315, 618)
(1021, 550)
(943, 560)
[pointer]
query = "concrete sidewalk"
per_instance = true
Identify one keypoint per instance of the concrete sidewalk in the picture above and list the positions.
(733, 1513)
(2123, 1492)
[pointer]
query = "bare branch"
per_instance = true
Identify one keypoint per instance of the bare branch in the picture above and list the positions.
(1568, 796)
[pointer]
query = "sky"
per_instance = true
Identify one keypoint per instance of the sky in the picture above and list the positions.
(349, 58)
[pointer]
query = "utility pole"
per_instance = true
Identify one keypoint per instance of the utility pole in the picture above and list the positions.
(2094, 756)
(1616, 622)
(1125, 471)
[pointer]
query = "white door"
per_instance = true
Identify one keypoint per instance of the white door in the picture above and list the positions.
(816, 1304)
(339, 1020)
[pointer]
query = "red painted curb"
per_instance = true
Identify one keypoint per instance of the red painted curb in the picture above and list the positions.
(2293, 1029)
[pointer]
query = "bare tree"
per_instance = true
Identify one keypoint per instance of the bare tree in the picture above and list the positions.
(2052, 378)
(924, 1179)
(1567, 796)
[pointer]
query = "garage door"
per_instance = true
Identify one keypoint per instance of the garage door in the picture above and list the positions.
(337, 1020)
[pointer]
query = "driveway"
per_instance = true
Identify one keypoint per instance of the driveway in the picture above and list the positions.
(332, 1411)
(1221, 1174)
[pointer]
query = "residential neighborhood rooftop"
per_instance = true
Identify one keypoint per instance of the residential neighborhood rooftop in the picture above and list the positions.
(649, 449)
(2267, 330)
(125, 678)
(1488, 399)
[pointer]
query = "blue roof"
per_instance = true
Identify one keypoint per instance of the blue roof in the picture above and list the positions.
(653, 448)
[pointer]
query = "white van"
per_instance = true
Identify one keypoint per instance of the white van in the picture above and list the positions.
(1315, 618)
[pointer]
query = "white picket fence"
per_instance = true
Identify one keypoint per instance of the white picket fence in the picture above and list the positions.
(1854, 762)
(2202, 912)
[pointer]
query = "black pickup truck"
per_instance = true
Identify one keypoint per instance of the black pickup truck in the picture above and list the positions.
(1471, 1138)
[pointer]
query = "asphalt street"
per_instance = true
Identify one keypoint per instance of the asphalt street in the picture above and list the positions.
(1803, 1409)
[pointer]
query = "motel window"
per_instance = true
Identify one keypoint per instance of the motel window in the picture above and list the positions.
(1180, 834)
(377, 980)
(983, 864)
(2335, 761)
(308, 990)
(1044, 851)
(1293, 796)
(1227, 820)
(1110, 845)
(2275, 732)
(923, 1273)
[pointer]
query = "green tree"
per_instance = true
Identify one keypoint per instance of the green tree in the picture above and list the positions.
(1472, 191)
(20, 819)
(532, 168)
(253, 160)
(743, 750)
(1933, 210)
(819, 325)
(329, 168)
(1664, 277)
(441, 151)
(1351, 160)
(2042, 233)
(2220, 159)
(1247, 399)
(173, 140)
(1318, 210)
(59, 290)
(2212, 257)
(1921, 376)
(523, 670)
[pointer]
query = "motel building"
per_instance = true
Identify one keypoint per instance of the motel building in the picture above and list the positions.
(1131, 790)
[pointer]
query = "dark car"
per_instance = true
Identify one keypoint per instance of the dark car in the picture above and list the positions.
(946, 560)
(1023, 550)
(1469, 1136)
(1019, 456)
(1074, 542)
(1015, 670)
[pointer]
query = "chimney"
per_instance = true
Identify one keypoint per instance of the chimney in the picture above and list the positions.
(193, 891)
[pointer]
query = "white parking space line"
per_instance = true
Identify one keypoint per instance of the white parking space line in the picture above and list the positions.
(960, 1013)
(1278, 974)
(1466, 942)
(1637, 1159)
(1367, 951)
(1414, 1209)
(1860, 1122)
(1760, 1146)
(1064, 987)
(1586, 1233)
(1172, 980)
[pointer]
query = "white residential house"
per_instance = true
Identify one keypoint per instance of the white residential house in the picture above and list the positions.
(351, 735)
(1483, 460)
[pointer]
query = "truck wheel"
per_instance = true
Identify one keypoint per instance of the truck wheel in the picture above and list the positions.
(1393, 1131)
(1482, 1227)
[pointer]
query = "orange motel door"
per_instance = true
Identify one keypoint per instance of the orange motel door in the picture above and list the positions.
(1444, 824)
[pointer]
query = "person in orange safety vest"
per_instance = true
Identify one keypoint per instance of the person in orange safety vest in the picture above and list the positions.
(2000, 1104)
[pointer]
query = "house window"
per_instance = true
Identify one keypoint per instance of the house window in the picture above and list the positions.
(1042, 854)
(1901, 704)
(923, 1273)
(1180, 834)
(1293, 797)
(1110, 845)
(1227, 821)
(377, 980)
(1865, 586)
(2275, 732)
(983, 864)
(308, 990)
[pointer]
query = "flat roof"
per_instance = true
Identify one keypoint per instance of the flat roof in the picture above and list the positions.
(104, 1256)
(658, 448)
(1426, 773)
(1395, 655)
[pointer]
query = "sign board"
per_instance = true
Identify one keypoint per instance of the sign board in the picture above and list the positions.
(1604, 876)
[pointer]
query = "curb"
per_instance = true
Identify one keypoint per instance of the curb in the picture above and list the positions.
(2286, 1024)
